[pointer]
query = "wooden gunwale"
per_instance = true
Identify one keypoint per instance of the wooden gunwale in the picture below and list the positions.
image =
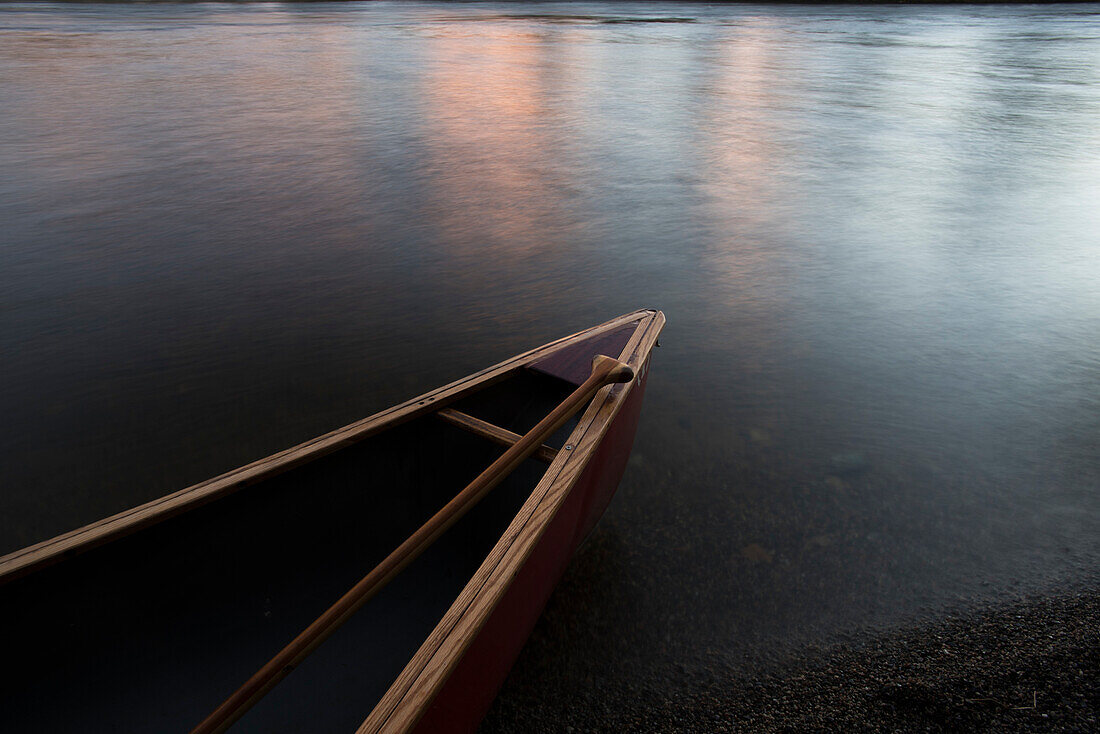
(492, 432)
(605, 371)
(415, 688)
(34, 557)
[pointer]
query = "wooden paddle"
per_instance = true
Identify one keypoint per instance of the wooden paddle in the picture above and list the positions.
(605, 371)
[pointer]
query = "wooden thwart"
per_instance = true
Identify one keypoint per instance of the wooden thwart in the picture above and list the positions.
(494, 433)
(605, 371)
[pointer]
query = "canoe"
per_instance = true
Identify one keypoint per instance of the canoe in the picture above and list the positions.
(148, 620)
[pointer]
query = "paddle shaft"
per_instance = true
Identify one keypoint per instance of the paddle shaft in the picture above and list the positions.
(604, 371)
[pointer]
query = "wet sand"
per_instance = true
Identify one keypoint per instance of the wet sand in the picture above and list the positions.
(1029, 664)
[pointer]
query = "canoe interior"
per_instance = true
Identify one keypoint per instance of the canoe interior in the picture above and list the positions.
(151, 632)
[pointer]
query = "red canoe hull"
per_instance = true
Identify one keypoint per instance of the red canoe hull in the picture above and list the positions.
(465, 698)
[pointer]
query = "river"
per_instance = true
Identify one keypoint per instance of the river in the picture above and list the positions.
(875, 232)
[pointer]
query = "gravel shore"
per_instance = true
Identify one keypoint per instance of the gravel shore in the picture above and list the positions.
(1032, 664)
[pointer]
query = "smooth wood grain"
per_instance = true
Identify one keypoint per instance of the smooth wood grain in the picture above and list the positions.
(494, 433)
(605, 371)
(405, 702)
(40, 555)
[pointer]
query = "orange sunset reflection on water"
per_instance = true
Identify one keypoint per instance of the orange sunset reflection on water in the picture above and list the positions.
(491, 146)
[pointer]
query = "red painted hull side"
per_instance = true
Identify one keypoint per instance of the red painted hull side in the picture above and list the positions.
(469, 691)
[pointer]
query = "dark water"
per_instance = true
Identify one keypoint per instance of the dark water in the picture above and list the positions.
(875, 232)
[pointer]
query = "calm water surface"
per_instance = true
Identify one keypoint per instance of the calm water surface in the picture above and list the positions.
(875, 232)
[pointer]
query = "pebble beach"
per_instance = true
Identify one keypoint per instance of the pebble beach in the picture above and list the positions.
(1030, 664)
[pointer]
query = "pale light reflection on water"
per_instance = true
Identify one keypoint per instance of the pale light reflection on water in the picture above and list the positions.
(874, 231)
